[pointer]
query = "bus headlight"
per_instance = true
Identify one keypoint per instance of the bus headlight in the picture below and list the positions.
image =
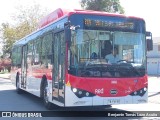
(139, 92)
(74, 90)
(87, 93)
(135, 92)
(145, 89)
(81, 93)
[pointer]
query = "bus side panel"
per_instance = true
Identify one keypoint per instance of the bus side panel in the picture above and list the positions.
(33, 85)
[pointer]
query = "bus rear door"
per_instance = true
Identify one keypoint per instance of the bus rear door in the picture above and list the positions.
(24, 67)
(59, 66)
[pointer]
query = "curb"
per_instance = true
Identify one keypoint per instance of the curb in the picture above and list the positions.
(157, 93)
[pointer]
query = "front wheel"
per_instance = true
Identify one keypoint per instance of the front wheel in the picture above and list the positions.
(45, 89)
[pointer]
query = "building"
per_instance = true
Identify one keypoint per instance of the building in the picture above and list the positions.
(153, 58)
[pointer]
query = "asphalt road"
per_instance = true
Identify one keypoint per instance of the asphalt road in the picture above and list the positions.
(11, 101)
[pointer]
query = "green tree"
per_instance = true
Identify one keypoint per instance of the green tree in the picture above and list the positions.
(112, 6)
(25, 22)
(29, 17)
(8, 37)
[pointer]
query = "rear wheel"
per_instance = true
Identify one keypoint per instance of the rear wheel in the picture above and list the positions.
(19, 91)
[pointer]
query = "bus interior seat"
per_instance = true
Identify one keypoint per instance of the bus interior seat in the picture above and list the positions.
(107, 48)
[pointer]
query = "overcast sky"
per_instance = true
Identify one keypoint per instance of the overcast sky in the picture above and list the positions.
(147, 9)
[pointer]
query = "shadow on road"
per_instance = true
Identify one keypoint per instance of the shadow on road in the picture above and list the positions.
(154, 94)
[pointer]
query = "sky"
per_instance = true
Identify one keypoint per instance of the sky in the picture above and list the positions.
(147, 9)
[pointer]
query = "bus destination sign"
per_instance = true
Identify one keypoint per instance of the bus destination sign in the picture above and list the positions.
(90, 23)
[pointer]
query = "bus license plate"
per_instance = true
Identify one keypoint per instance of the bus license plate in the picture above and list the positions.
(114, 101)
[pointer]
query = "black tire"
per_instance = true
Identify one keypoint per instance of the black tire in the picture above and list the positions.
(109, 106)
(19, 91)
(45, 96)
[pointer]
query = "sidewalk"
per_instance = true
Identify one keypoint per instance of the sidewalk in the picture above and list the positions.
(5, 76)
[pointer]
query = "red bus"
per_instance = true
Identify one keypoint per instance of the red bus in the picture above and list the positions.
(64, 61)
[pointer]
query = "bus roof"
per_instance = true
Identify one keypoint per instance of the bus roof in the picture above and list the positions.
(59, 13)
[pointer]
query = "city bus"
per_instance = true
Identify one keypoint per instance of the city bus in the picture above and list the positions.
(64, 60)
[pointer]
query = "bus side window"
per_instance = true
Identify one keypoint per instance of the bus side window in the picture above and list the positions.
(30, 55)
(52, 53)
(37, 52)
(47, 50)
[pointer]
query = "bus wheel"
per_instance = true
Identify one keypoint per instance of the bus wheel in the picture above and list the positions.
(109, 106)
(19, 91)
(47, 104)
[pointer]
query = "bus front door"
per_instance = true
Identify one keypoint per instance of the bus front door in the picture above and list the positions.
(59, 67)
(24, 67)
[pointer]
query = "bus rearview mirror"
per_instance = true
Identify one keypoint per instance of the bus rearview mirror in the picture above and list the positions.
(149, 41)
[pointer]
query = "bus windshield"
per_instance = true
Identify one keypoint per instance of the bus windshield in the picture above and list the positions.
(96, 53)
